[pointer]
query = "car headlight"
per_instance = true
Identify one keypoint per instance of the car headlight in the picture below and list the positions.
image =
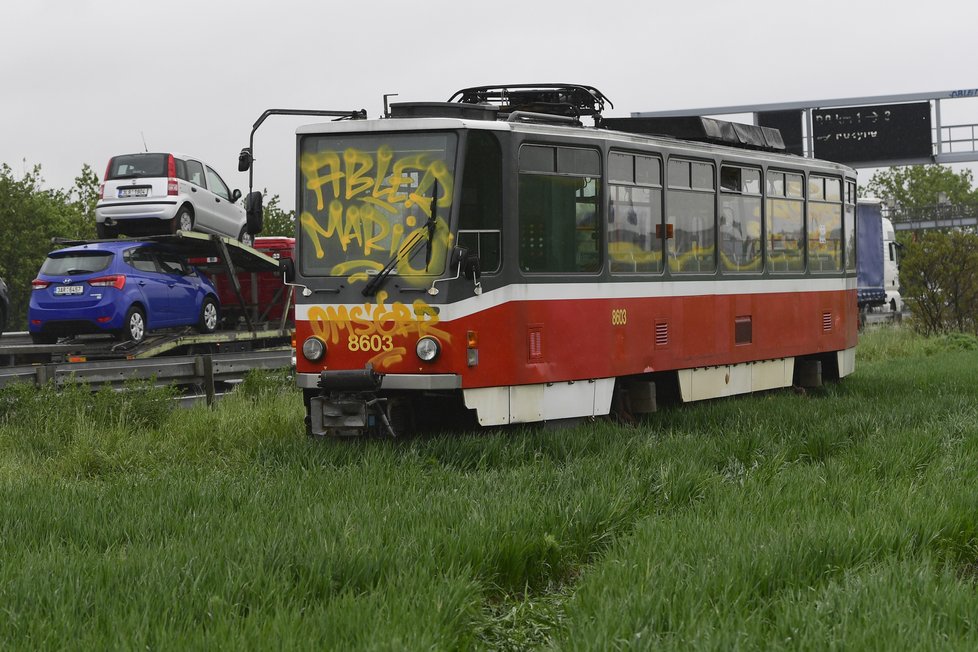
(313, 349)
(427, 348)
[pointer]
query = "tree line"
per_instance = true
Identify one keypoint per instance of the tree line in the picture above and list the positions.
(30, 217)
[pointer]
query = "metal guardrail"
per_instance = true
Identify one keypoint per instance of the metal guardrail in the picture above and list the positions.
(958, 139)
(935, 216)
(201, 371)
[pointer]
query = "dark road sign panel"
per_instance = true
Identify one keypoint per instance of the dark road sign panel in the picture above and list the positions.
(862, 134)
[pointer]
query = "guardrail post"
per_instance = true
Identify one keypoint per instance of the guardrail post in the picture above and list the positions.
(204, 365)
(44, 373)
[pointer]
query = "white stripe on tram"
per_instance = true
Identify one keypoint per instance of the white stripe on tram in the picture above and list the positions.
(590, 291)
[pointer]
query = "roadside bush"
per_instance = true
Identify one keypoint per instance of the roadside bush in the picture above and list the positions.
(939, 279)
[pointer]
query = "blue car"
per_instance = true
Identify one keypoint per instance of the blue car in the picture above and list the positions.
(122, 288)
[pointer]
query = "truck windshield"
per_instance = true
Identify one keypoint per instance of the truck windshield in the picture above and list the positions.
(365, 198)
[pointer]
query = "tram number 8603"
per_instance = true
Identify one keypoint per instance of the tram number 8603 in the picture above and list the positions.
(619, 317)
(370, 343)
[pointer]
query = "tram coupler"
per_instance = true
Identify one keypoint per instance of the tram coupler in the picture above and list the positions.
(337, 416)
(347, 405)
(349, 414)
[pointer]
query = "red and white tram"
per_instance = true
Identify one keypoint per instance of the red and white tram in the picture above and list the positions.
(491, 256)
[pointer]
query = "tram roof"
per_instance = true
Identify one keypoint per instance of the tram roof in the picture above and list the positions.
(417, 124)
(556, 110)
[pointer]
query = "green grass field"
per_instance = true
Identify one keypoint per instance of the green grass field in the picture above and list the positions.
(842, 518)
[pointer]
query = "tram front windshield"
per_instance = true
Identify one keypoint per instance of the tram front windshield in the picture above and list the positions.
(367, 201)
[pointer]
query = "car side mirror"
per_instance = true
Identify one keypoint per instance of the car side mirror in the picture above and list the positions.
(235, 195)
(245, 159)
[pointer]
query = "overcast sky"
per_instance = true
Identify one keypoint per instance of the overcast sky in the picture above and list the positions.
(83, 80)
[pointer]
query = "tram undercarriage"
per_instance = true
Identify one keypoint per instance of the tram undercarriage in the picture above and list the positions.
(355, 403)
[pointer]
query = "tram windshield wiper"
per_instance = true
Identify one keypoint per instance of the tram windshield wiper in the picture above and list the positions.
(370, 289)
(430, 224)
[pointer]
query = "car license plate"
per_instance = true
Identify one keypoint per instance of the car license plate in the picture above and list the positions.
(133, 192)
(69, 289)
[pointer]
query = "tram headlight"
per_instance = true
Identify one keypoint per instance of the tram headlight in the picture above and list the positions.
(427, 348)
(313, 349)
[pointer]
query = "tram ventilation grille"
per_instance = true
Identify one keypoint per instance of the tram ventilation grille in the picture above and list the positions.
(535, 342)
(826, 322)
(661, 334)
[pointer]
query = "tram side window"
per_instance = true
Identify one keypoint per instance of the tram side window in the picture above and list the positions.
(558, 209)
(480, 213)
(785, 222)
(740, 219)
(690, 225)
(849, 225)
(824, 224)
(635, 215)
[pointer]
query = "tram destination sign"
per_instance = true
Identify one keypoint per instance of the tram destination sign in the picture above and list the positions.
(880, 133)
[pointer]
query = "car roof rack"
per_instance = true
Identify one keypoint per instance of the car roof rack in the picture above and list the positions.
(566, 100)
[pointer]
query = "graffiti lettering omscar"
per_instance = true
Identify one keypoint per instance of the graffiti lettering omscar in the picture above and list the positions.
(372, 195)
(378, 321)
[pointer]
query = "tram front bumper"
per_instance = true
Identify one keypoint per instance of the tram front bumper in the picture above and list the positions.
(407, 382)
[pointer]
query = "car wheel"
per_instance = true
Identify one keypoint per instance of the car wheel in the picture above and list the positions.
(183, 221)
(209, 316)
(246, 238)
(134, 330)
(3, 320)
(106, 232)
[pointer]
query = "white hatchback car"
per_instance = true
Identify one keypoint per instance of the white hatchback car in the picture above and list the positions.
(152, 193)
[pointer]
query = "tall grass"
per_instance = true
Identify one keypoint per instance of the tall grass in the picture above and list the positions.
(889, 341)
(845, 518)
